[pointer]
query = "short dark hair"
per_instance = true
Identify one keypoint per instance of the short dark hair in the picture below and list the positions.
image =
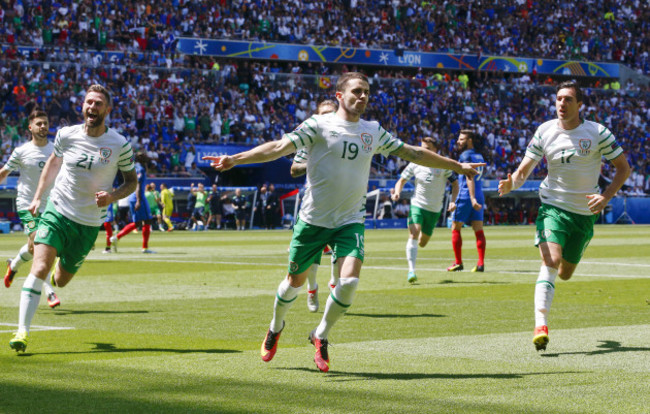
(348, 76)
(37, 113)
(100, 89)
(477, 140)
(569, 85)
(432, 141)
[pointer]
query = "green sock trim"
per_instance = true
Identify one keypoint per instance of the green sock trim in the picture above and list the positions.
(284, 300)
(547, 282)
(23, 259)
(31, 291)
(338, 302)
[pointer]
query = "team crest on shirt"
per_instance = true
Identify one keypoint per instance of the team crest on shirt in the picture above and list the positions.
(366, 139)
(585, 145)
(104, 155)
(31, 225)
(43, 232)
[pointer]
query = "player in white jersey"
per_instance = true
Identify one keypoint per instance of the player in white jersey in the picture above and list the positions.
(29, 159)
(84, 163)
(341, 146)
(426, 203)
(299, 168)
(571, 202)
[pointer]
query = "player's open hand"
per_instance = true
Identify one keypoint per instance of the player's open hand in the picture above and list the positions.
(220, 163)
(394, 196)
(596, 202)
(469, 168)
(505, 186)
(102, 199)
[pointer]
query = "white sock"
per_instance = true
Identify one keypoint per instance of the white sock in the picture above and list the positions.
(311, 277)
(23, 256)
(29, 298)
(411, 253)
(334, 277)
(544, 291)
(284, 298)
(47, 288)
(338, 303)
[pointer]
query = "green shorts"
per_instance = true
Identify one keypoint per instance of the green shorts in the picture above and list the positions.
(30, 223)
(570, 230)
(155, 211)
(308, 242)
(425, 218)
(71, 240)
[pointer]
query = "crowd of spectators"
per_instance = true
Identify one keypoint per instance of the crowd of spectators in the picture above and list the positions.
(594, 30)
(167, 112)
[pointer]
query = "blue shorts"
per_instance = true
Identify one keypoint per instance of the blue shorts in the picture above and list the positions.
(143, 213)
(109, 214)
(465, 213)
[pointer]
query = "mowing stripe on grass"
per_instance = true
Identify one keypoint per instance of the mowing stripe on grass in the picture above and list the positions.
(35, 328)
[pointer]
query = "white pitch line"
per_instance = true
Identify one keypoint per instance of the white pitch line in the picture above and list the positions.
(628, 276)
(36, 328)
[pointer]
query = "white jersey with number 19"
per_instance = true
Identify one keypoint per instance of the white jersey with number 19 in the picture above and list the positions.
(574, 161)
(89, 165)
(340, 155)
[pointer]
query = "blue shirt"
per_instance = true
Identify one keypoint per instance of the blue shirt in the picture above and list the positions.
(471, 156)
(142, 176)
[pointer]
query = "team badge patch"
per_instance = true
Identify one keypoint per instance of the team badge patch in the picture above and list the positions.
(31, 224)
(44, 232)
(293, 267)
(366, 139)
(105, 152)
(585, 145)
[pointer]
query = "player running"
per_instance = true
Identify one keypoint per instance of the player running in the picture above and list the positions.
(426, 203)
(470, 202)
(29, 159)
(84, 163)
(341, 147)
(571, 203)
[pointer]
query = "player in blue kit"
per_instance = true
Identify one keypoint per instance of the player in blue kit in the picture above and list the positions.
(470, 201)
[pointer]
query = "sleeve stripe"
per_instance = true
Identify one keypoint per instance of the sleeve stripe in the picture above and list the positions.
(533, 152)
(127, 143)
(605, 139)
(603, 131)
(382, 136)
(301, 133)
(612, 151)
(126, 152)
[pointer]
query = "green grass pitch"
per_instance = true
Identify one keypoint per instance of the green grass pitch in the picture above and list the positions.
(180, 331)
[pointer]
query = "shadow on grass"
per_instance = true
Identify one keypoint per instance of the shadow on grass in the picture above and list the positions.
(478, 282)
(394, 315)
(409, 376)
(63, 312)
(607, 347)
(104, 347)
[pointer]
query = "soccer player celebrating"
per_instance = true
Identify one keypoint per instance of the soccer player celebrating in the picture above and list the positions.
(470, 201)
(573, 148)
(139, 206)
(88, 157)
(341, 146)
(29, 159)
(299, 168)
(426, 203)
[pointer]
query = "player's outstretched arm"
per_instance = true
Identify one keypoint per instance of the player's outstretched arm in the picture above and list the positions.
(50, 171)
(266, 152)
(597, 202)
(518, 178)
(428, 158)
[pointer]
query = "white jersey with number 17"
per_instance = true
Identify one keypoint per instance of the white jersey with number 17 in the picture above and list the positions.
(340, 155)
(89, 165)
(574, 161)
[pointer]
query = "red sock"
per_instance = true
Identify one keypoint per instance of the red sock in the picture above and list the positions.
(457, 243)
(146, 231)
(109, 233)
(126, 230)
(480, 246)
